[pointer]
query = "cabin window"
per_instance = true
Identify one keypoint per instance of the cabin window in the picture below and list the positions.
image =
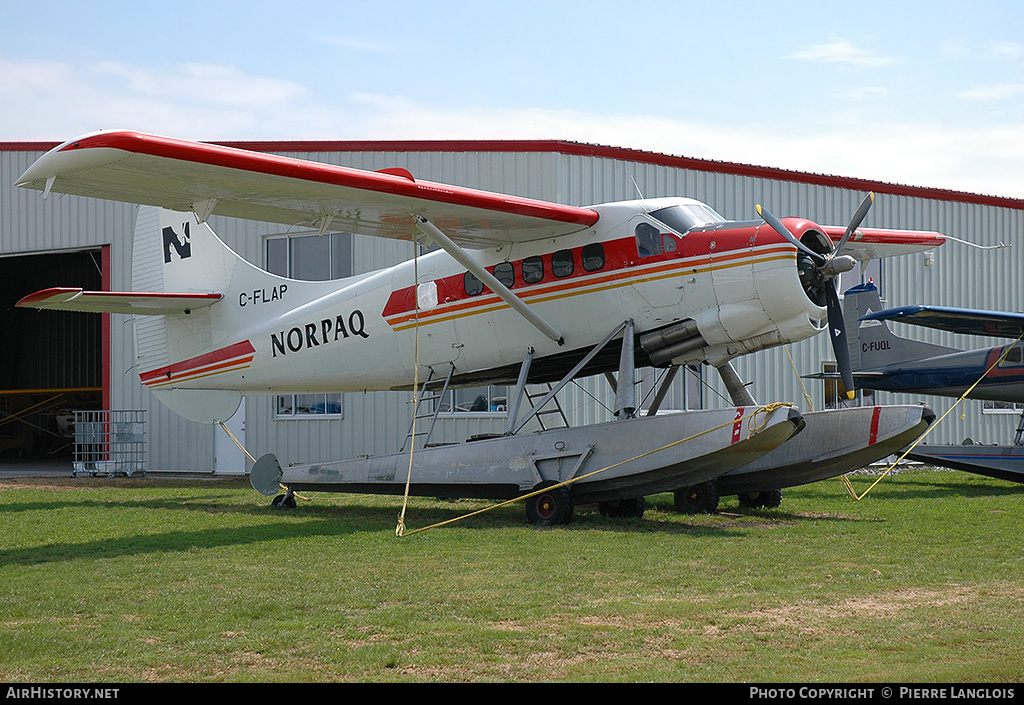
(473, 285)
(1013, 356)
(310, 257)
(683, 218)
(562, 263)
(505, 274)
(593, 257)
(533, 270)
(648, 240)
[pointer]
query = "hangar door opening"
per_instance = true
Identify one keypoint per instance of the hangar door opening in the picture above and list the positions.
(51, 362)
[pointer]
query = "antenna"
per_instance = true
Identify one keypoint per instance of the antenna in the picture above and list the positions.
(638, 192)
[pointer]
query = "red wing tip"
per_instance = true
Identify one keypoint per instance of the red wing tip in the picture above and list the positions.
(62, 294)
(46, 294)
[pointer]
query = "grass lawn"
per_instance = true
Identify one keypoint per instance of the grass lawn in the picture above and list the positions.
(149, 579)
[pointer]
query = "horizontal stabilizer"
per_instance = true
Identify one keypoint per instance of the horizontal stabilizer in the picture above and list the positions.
(857, 374)
(999, 324)
(155, 304)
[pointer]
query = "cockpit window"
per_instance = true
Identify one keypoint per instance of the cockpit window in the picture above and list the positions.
(648, 240)
(1013, 356)
(682, 218)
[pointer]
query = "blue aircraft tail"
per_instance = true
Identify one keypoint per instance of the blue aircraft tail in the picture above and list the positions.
(872, 344)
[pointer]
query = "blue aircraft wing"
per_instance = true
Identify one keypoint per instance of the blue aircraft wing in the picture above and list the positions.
(999, 324)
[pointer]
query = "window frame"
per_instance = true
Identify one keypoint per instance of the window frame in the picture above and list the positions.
(450, 406)
(596, 253)
(536, 269)
(558, 267)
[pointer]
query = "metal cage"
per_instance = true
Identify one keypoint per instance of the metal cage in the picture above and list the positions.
(110, 443)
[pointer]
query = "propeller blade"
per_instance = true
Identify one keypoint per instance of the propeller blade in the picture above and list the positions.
(855, 221)
(782, 230)
(837, 332)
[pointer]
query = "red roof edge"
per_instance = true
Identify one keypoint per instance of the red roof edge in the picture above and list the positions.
(592, 150)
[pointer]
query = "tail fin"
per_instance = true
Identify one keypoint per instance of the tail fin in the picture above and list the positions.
(184, 330)
(174, 253)
(872, 344)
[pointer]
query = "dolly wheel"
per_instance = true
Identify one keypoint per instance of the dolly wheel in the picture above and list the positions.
(283, 501)
(551, 507)
(697, 499)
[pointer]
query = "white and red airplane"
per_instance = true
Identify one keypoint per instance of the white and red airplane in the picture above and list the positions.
(520, 289)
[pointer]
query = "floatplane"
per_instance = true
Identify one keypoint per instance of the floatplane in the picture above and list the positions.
(517, 292)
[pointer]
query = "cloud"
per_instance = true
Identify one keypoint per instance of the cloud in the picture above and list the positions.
(199, 83)
(1008, 50)
(992, 92)
(191, 100)
(49, 100)
(844, 52)
(976, 159)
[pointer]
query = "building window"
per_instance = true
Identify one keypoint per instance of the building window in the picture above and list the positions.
(310, 257)
(475, 400)
(1001, 407)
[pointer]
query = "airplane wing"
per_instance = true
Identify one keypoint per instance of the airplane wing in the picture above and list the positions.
(998, 324)
(71, 299)
(209, 179)
(874, 243)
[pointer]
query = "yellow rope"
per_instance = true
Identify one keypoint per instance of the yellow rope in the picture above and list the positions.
(810, 404)
(400, 528)
(849, 485)
(749, 418)
(232, 437)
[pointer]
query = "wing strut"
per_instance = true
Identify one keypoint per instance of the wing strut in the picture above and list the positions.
(488, 279)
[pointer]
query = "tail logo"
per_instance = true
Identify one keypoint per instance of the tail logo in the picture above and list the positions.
(183, 246)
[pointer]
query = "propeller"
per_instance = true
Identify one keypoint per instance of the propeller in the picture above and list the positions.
(819, 272)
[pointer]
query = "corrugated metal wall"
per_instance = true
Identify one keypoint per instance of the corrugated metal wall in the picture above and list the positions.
(376, 422)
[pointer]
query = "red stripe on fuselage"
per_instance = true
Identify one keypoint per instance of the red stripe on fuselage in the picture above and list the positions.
(208, 362)
(621, 263)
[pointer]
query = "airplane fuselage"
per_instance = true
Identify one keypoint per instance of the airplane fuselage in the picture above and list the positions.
(953, 374)
(735, 283)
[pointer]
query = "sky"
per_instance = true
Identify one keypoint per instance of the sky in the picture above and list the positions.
(920, 93)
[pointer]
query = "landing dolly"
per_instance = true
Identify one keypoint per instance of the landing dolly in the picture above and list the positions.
(697, 499)
(284, 501)
(265, 478)
(551, 507)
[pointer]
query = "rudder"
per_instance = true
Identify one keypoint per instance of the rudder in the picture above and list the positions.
(872, 344)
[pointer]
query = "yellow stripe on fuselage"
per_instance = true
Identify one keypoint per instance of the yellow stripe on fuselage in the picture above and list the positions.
(491, 303)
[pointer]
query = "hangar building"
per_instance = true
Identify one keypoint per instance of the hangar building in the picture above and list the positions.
(57, 361)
